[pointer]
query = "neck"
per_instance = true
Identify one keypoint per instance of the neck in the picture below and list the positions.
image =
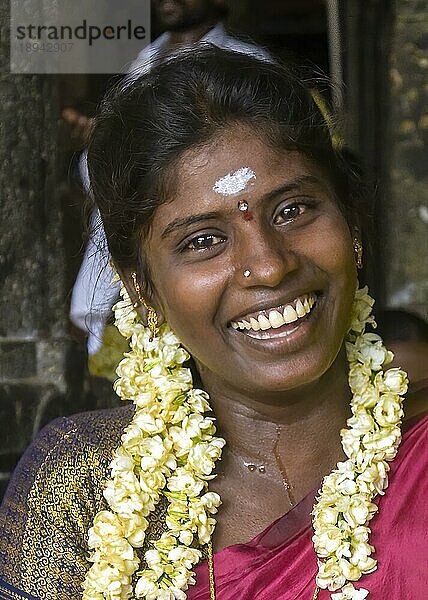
(309, 420)
(189, 36)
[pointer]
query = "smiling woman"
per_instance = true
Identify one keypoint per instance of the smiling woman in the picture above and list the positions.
(298, 235)
(233, 224)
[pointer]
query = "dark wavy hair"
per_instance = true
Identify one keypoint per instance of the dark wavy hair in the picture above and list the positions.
(144, 127)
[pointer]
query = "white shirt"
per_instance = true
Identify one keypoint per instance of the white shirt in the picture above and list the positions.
(217, 36)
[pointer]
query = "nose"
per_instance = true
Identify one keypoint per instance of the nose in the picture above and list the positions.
(264, 258)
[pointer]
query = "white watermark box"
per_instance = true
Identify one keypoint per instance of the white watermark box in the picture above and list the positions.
(77, 36)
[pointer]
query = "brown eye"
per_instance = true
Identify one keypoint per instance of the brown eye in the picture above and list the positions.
(290, 212)
(204, 242)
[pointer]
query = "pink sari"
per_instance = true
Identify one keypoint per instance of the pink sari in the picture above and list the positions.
(280, 563)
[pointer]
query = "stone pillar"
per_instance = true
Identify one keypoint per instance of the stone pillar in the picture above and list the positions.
(386, 126)
(405, 213)
(366, 28)
(33, 348)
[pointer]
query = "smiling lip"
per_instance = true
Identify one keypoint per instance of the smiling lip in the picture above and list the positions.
(276, 321)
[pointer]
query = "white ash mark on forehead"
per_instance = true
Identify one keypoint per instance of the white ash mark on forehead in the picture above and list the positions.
(234, 182)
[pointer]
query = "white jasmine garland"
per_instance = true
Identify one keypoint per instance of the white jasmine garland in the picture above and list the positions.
(169, 448)
(345, 505)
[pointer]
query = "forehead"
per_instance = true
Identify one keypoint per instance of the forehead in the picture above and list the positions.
(237, 162)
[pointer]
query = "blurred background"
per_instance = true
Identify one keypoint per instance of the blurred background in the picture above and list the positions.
(375, 54)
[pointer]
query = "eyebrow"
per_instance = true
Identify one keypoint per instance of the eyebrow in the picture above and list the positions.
(186, 221)
(291, 186)
(192, 219)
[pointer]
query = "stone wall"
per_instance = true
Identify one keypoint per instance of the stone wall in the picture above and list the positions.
(405, 215)
(34, 349)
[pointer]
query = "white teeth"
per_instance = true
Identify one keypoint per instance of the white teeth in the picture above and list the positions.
(300, 310)
(290, 314)
(275, 319)
(254, 324)
(264, 322)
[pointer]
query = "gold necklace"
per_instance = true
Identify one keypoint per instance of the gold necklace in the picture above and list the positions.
(262, 468)
(211, 570)
(212, 577)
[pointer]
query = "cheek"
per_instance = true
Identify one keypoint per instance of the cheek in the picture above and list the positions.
(189, 296)
(333, 250)
(338, 254)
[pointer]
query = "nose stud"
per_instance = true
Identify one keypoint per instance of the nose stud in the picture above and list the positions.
(247, 273)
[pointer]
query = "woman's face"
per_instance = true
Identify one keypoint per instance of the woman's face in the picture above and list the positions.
(294, 242)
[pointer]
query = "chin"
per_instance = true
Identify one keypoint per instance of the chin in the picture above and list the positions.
(291, 374)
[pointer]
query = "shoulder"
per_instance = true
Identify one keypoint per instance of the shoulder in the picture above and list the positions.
(66, 438)
(237, 45)
(69, 454)
(54, 493)
(102, 428)
(221, 38)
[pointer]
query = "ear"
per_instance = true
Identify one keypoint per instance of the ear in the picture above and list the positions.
(126, 276)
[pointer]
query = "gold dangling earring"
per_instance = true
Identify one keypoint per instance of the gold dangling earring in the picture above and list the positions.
(152, 318)
(358, 249)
